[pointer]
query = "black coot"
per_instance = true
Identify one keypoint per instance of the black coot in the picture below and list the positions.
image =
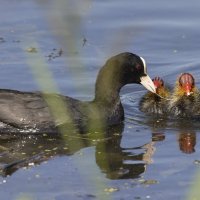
(30, 111)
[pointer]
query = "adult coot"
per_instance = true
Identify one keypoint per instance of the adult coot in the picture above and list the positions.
(33, 111)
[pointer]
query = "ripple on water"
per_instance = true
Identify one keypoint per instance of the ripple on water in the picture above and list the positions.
(134, 116)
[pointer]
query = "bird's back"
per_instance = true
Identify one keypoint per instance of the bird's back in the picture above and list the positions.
(34, 110)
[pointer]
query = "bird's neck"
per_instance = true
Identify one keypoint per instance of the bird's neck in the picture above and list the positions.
(107, 90)
(107, 94)
(107, 87)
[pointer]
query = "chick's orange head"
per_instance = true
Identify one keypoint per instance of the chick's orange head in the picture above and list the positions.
(187, 83)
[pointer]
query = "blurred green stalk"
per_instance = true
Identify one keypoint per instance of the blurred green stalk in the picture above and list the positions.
(60, 112)
(44, 79)
(194, 193)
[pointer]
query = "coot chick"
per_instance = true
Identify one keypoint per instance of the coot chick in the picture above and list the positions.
(185, 98)
(30, 111)
(155, 103)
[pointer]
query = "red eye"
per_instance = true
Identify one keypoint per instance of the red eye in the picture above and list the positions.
(138, 67)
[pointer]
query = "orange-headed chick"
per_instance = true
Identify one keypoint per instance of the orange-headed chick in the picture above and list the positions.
(155, 103)
(185, 99)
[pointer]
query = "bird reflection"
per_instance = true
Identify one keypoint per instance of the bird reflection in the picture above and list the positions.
(113, 160)
(123, 163)
(186, 134)
(187, 142)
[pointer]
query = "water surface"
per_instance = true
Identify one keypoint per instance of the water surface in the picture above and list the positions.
(143, 159)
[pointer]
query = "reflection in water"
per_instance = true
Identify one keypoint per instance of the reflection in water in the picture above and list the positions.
(113, 160)
(187, 142)
(26, 151)
(123, 163)
(158, 136)
(186, 136)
